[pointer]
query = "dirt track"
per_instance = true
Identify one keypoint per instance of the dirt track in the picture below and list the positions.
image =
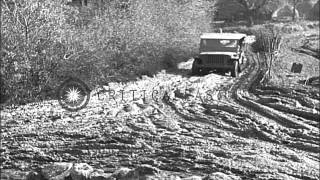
(201, 125)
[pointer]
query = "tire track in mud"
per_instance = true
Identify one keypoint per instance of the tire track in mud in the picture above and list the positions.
(240, 112)
(244, 94)
(226, 102)
(228, 108)
(255, 119)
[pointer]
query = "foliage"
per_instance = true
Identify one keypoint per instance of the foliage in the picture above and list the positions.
(30, 46)
(249, 10)
(268, 39)
(252, 7)
(45, 41)
(305, 7)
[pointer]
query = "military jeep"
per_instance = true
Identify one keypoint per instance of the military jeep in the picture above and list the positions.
(222, 52)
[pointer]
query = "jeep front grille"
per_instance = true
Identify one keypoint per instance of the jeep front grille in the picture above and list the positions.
(217, 59)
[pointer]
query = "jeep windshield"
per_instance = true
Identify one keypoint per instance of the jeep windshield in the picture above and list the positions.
(218, 45)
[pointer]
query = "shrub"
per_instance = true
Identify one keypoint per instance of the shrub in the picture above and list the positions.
(268, 43)
(268, 39)
(30, 47)
(96, 43)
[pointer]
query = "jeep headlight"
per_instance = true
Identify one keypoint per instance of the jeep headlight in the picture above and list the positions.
(198, 60)
(234, 56)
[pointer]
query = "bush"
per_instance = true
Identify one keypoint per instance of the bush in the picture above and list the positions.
(30, 47)
(268, 39)
(268, 43)
(115, 39)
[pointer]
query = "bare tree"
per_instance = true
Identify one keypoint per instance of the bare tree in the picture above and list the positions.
(252, 7)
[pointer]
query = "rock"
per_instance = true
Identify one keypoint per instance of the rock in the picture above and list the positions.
(179, 94)
(194, 79)
(100, 175)
(56, 171)
(120, 173)
(127, 108)
(149, 110)
(81, 171)
(141, 120)
(34, 176)
(132, 108)
(140, 102)
(146, 169)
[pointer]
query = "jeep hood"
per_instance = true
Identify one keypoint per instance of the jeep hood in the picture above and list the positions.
(219, 53)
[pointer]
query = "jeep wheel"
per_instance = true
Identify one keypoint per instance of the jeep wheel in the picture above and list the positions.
(205, 71)
(235, 70)
(195, 69)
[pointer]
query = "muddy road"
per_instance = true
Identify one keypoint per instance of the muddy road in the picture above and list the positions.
(209, 126)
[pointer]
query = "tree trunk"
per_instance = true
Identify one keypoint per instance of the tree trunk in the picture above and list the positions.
(294, 12)
(250, 18)
(84, 3)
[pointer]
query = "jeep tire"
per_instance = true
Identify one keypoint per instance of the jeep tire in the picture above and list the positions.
(235, 69)
(195, 69)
